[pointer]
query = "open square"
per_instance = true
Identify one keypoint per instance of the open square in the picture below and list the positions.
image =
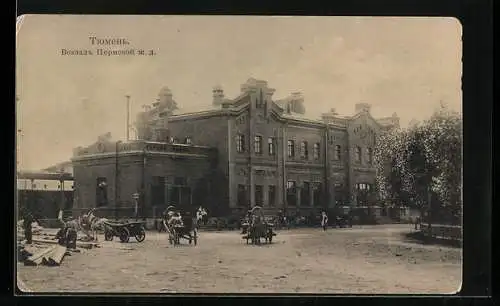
(368, 259)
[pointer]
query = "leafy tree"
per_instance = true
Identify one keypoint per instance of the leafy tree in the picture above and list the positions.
(414, 163)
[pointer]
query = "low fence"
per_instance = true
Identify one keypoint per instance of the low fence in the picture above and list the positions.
(442, 231)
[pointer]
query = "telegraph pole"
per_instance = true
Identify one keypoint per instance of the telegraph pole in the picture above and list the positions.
(128, 116)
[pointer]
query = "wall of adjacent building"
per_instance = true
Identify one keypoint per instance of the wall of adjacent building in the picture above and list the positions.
(131, 172)
(212, 132)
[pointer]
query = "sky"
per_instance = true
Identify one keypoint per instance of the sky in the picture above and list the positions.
(405, 65)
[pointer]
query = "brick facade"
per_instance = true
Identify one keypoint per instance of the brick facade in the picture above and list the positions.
(335, 175)
(140, 167)
(227, 160)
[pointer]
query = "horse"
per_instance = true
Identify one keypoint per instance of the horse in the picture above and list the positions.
(92, 223)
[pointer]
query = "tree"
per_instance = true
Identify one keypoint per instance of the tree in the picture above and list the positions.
(411, 163)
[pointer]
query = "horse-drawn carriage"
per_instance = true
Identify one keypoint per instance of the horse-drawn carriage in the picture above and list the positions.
(179, 226)
(124, 230)
(256, 227)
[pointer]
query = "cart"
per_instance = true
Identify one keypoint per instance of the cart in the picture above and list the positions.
(184, 229)
(124, 231)
(255, 227)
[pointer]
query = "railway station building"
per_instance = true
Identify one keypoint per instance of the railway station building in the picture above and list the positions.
(234, 154)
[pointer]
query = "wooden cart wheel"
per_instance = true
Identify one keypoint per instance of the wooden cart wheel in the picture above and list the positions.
(141, 234)
(108, 235)
(124, 234)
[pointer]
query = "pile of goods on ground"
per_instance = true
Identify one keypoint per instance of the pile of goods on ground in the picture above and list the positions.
(47, 248)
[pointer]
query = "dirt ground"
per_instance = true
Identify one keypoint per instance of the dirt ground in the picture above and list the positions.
(368, 259)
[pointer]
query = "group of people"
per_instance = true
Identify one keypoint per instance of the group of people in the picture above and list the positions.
(284, 220)
(171, 215)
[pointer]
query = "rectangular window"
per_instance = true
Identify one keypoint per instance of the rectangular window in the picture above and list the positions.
(357, 155)
(242, 196)
(337, 153)
(158, 190)
(272, 195)
(369, 153)
(259, 195)
(257, 146)
(317, 195)
(174, 194)
(316, 152)
(271, 146)
(240, 143)
(305, 194)
(101, 192)
(339, 194)
(303, 150)
(291, 148)
(291, 193)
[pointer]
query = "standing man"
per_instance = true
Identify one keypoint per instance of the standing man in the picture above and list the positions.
(27, 224)
(324, 220)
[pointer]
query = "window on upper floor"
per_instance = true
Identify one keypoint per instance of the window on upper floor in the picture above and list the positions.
(257, 145)
(369, 153)
(240, 143)
(337, 153)
(357, 154)
(291, 148)
(304, 150)
(316, 153)
(271, 146)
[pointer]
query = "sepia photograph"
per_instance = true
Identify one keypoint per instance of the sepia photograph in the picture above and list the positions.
(238, 154)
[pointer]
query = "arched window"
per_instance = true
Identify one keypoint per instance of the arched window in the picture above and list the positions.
(303, 150)
(337, 152)
(270, 143)
(357, 154)
(369, 153)
(316, 152)
(257, 144)
(291, 148)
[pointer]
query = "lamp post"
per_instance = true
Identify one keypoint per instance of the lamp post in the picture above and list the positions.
(135, 196)
(117, 177)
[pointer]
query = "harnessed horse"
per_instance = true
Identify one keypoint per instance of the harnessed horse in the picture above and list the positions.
(91, 223)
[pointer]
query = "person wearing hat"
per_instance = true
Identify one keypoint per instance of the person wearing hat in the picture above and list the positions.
(324, 220)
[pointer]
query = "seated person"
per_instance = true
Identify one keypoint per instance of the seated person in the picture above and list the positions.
(175, 218)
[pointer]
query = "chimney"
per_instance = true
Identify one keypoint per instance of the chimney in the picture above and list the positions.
(297, 102)
(328, 117)
(362, 107)
(165, 100)
(218, 95)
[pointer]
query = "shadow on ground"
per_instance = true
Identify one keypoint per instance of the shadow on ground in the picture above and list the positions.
(421, 238)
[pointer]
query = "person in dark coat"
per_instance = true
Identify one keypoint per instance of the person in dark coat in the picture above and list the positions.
(28, 219)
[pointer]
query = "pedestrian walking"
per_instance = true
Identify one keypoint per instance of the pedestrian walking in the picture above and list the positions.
(324, 220)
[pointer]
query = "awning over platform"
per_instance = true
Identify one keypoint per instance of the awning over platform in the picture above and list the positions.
(58, 176)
